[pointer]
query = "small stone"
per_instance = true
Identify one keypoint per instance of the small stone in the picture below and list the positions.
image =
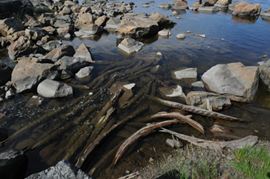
(264, 56)
(178, 17)
(200, 35)
(159, 53)
(130, 45)
(164, 32)
(181, 36)
(151, 160)
(10, 93)
(145, 5)
(174, 13)
(84, 72)
(127, 172)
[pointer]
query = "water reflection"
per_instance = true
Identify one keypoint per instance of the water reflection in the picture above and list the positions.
(248, 20)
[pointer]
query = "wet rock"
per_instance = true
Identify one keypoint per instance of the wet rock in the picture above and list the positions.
(13, 164)
(23, 46)
(52, 45)
(63, 170)
(56, 54)
(127, 88)
(34, 101)
(198, 86)
(10, 93)
(84, 72)
(181, 36)
(26, 76)
(72, 64)
(10, 25)
(172, 92)
(161, 19)
(246, 9)
(266, 14)
(185, 73)
(164, 32)
(101, 21)
(165, 6)
(264, 69)
(207, 100)
(130, 45)
(83, 20)
(113, 23)
(179, 4)
(174, 143)
(223, 3)
(136, 25)
(234, 80)
(84, 53)
(3, 134)
(88, 31)
(5, 73)
(35, 33)
(54, 89)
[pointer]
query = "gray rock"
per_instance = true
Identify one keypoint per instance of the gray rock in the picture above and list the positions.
(84, 53)
(72, 64)
(13, 164)
(54, 89)
(56, 54)
(265, 15)
(35, 33)
(145, 5)
(88, 31)
(49, 46)
(172, 92)
(63, 170)
(5, 73)
(130, 45)
(165, 6)
(208, 9)
(264, 69)
(113, 23)
(84, 72)
(207, 100)
(3, 134)
(164, 32)
(10, 93)
(234, 80)
(185, 73)
(181, 36)
(65, 74)
(10, 25)
(198, 86)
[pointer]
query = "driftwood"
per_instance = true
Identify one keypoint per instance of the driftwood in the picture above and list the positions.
(234, 144)
(140, 133)
(180, 117)
(194, 109)
(130, 176)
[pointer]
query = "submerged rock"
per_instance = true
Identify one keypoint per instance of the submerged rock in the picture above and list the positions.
(185, 73)
(172, 92)
(72, 64)
(130, 45)
(234, 80)
(63, 170)
(54, 89)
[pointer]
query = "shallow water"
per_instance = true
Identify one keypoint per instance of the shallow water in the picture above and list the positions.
(227, 40)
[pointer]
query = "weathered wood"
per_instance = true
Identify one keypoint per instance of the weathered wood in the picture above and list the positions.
(180, 117)
(194, 109)
(234, 144)
(140, 133)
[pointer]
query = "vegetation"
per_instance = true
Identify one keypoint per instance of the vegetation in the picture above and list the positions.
(253, 162)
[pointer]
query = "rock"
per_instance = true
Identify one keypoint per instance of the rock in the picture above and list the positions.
(54, 89)
(63, 170)
(65, 74)
(155, 69)
(200, 35)
(174, 143)
(264, 69)
(13, 164)
(209, 2)
(50, 30)
(26, 76)
(101, 21)
(10, 93)
(266, 15)
(164, 32)
(195, 6)
(84, 72)
(10, 25)
(223, 3)
(72, 64)
(35, 33)
(165, 6)
(179, 4)
(113, 23)
(21, 47)
(32, 22)
(34, 102)
(62, 21)
(86, 9)
(234, 80)
(181, 36)
(5, 73)
(185, 73)
(64, 32)
(84, 19)
(45, 18)
(88, 31)
(172, 92)
(56, 54)
(136, 25)
(198, 86)
(161, 19)
(3, 134)
(127, 88)
(10, 7)
(208, 9)
(84, 53)
(232, 6)
(145, 5)
(130, 45)
(246, 9)
(65, 11)
(207, 100)
(52, 45)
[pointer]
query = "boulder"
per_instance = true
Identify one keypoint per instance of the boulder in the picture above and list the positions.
(84, 72)
(5, 73)
(88, 31)
(65, 31)
(164, 32)
(84, 53)
(161, 19)
(198, 86)
(234, 80)
(223, 3)
(26, 76)
(165, 6)
(63, 169)
(72, 64)
(49, 46)
(179, 4)
(23, 46)
(130, 45)
(84, 19)
(10, 25)
(54, 89)
(184, 74)
(13, 164)
(56, 54)
(113, 23)
(172, 92)
(210, 101)
(264, 69)
(136, 25)
(35, 33)
(266, 15)
(246, 9)
(101, 21)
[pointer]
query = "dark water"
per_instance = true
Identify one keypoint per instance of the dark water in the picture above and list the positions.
(62, 128)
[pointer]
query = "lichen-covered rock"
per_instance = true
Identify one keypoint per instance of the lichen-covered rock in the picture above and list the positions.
(238, 82)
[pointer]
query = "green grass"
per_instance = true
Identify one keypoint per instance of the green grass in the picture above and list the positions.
(253, 162)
